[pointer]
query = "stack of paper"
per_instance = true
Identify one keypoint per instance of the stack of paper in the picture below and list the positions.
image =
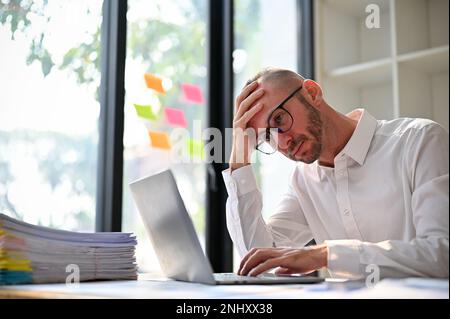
(36, 254)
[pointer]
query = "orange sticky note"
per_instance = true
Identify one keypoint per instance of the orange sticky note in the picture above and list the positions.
(159, 140)
(154, 82)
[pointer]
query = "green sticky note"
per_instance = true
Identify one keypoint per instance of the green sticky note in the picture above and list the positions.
(145, 111)
(195, 148)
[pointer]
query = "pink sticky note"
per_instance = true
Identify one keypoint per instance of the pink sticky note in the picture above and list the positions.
(175, 117)
(192, 93)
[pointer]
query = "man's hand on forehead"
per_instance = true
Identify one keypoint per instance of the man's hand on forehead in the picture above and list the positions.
(247, 106)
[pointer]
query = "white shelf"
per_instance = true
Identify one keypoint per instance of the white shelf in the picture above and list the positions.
(421, 24)
(429, 61)
(423, 84)
(364, 74)
(345, 39)
(399, 70)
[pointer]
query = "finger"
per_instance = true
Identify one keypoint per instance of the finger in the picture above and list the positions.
(246, 92)
(266, 265)
(242, 122)
(245, 105)
(284, 271)
(251, 253)
(246, 257)
(259, 257)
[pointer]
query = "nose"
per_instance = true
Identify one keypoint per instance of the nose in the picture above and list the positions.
(283, 141)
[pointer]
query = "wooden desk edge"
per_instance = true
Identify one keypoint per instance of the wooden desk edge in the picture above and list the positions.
(23, 294)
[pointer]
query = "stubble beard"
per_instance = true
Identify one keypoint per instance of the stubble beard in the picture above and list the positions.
(315, 129)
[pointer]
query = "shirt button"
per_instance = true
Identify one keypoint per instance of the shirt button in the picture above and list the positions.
(346, 212)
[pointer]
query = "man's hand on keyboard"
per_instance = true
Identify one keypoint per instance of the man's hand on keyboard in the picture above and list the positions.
(288, 261)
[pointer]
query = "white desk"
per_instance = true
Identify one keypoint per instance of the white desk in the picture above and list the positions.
(152, 286)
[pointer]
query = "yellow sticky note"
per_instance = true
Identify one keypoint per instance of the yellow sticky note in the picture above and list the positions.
(195, 148)
(154, 82)
(159, 140)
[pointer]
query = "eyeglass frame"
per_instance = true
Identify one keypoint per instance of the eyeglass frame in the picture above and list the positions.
(268, 128)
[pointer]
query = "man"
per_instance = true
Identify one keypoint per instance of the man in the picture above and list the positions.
(371, 193)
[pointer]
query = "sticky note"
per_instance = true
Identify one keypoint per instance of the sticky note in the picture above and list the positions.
(159, 140)
(145, 111)
(175, 117)
(192, 93)
(154, 82)
(195, 148)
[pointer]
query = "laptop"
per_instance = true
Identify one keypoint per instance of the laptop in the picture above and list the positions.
(175, 241)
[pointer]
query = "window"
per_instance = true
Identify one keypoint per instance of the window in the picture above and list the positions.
(165, 41)
(265, 35)
(49, 106)
(49, 79)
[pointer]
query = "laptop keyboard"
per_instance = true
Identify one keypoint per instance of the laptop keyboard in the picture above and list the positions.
(266, 278)
(235, 277)
(229, 276)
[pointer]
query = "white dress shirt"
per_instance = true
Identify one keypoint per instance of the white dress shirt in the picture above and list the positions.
(384, 203)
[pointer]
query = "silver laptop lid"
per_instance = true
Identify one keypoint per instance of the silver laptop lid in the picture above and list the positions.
(170, 229)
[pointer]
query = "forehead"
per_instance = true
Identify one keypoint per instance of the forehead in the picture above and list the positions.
(273, 96)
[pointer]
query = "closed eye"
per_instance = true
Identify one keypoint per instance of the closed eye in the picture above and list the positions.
(278, 119)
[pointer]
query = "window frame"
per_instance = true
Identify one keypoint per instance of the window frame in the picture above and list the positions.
(111, 121)
(220, 35)
(305, 35)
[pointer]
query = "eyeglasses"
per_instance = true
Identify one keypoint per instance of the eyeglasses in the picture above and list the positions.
(280, 121)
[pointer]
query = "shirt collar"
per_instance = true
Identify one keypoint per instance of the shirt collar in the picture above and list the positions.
(359, 143)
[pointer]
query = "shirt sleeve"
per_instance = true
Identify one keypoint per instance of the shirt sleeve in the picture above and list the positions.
(245, 223)
(426, 159)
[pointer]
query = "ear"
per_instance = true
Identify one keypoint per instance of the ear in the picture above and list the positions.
(314, 92)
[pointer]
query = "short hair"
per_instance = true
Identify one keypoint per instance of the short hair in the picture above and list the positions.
(275, 74)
